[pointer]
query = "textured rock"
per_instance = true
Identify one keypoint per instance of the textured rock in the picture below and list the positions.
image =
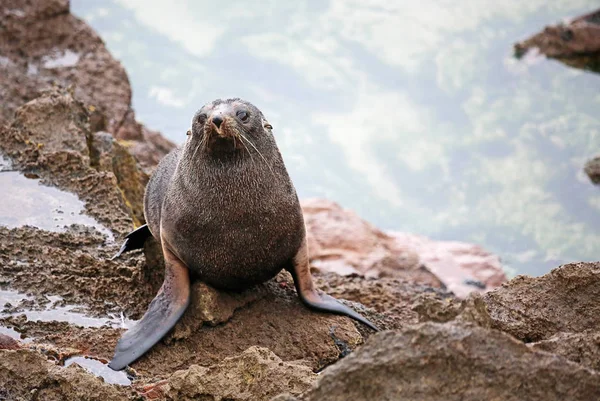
(28, 375)
(536, 308)
(108, 155)
(256, 374)
(592, 169)
(373, 253)
(389, 301)
(583, 348)
(471, 310)
(42, 45)
(49, 138)
(454, 361)
(212, 307)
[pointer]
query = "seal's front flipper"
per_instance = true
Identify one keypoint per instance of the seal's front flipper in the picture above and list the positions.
(162, 314)
(309, 295)
(134, 240)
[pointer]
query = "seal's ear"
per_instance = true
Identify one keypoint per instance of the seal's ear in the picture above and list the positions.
(266, 124)
(189, 132)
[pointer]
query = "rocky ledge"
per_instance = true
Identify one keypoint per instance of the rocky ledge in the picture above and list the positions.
(575, 43)
(452, 327)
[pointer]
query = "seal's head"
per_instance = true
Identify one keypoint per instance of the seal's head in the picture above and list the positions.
(229, 125)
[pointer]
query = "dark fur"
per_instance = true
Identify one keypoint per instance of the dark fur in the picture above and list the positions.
(231, 218)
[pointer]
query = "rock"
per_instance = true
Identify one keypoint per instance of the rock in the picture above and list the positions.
(536, 308)
(49, 137)
(453, 361)
(256, 374)
(45, 45)
(371, 252)
(390, 301)
(462, 267)
(592, 169)
(7, 342)
(150, 149)
(269, 316)
(212, 307)
(576, 43)
(470, 310)
(108, 154)
(55, 122)
(75, 267)
(583, 348)
(367, 251)
(27, 375)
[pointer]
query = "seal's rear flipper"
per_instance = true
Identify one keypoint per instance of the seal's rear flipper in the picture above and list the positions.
(134, 240)
(162, 314)
(309, 295)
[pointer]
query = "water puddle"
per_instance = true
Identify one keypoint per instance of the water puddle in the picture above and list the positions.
(5, 164)
(53, 312)
(27, 202)
(12, 333)
(100, 369)
(58, 59)
(14, 303)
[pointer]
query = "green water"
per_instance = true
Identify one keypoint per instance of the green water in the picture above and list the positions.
(415, 115)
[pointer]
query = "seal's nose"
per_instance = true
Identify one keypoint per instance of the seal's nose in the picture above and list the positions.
(217, 120)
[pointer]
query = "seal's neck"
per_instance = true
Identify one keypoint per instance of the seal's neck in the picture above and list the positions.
(222, 157)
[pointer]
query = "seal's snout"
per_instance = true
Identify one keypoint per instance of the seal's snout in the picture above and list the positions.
(217, 121)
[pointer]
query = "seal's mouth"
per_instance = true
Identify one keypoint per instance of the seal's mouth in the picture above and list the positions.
(222, 133)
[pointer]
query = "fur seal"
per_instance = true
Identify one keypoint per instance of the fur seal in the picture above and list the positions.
(225, 212)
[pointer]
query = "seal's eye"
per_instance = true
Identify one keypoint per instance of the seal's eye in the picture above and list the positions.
(202, 118)
(242, 115)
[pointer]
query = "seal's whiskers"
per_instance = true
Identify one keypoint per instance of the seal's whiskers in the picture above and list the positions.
(257, 151)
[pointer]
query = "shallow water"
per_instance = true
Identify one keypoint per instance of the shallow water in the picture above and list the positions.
(30, 203)
(13, 334)
(414, 114)
(100, 369)
(53, 312)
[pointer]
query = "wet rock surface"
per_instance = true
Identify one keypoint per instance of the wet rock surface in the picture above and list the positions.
(28, 375)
